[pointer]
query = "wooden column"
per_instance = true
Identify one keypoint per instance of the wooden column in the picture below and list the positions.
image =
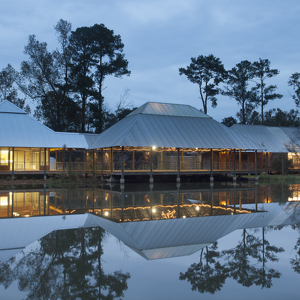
(256, 178)
(70, 159)
(93, 162)
(211, 166)
(267, 163)
(234, 166)
(13, 162)
(45, 163)
(111, 162)
(133, 160)
(63, 159)
(151, 169)
(178, 166)
(102, 163)
(122, 181)
(240, 159)
(162, 160)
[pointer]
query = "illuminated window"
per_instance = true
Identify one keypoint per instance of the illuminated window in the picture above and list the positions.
(3, 201)
(4, 157)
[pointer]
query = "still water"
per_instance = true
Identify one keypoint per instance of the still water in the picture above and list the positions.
(192, 241)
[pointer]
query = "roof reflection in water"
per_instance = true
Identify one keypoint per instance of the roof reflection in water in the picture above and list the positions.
(158, 238)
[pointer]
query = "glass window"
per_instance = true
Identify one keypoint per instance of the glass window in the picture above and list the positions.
(4, 157)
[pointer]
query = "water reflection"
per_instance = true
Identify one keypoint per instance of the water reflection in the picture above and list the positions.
(58, 254)
(247, 263)
(66, 264)
(132, 203)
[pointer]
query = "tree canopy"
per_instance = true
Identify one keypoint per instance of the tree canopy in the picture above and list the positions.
(67, 83)
(261, 72)
(207, 72)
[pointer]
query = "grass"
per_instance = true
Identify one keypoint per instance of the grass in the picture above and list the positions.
(279, 178)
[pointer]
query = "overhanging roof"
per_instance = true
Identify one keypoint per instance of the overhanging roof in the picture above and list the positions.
(171, 125)
(17, 129)
(262, 135)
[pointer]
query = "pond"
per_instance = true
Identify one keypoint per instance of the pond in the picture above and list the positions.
(215, 241)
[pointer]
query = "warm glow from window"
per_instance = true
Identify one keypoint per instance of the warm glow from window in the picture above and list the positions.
(3, 201)
(154, 210)
(153, 147)
(4, 157)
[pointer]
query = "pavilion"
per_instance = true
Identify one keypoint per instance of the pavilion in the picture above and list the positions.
(173, 139)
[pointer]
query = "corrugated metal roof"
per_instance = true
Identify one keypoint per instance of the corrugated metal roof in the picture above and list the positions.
(167, 238)
(292, 141)
(152, 239)
(8, 107)
(17, 233)
(147, 130)
(167, 109)
(17, 129)
(262, 135)
(280, 135)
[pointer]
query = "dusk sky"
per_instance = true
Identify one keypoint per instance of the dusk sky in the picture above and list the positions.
(161, 36)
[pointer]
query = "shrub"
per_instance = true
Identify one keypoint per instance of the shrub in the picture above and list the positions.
(281, 164)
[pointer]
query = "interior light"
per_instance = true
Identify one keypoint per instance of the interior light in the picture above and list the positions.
(106, 213)
(184, 217)
(197, 207)
(154, 210)
(153, 147)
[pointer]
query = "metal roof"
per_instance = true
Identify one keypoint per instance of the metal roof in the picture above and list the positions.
(176, 237)
(291, 139)
(142, 129)
(166, 109)
(17, 129)
(8, 107)
(151, 239)
(262, 135)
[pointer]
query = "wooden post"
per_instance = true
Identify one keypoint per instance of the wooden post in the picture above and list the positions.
(151, 169)
(13, 162)
(240, 160)
(133, 160)
(234, 166)
(256, 178)
(70, 159)
(178, 166)
(45, 163)
(162, 159)
(267, 163)
(63, 159)
(211, 166)
(102, 164)
(93, 162)
(111, 161)
(122, 181)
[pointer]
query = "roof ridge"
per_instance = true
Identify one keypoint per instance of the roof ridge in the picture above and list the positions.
(125, 134)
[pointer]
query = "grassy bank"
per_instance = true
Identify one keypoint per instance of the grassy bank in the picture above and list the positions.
(279, 178)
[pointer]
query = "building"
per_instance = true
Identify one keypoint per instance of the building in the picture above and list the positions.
(157, 139)
(27, 146)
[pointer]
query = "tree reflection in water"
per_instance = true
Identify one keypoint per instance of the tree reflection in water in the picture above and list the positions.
(208, 276)
(246, 263)
(65, 265)
(295, 262)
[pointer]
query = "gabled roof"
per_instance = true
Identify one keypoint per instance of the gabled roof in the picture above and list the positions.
(171, 125)
(262, 135)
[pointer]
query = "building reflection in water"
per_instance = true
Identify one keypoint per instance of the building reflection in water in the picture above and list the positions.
(183, 220)
(124, 204)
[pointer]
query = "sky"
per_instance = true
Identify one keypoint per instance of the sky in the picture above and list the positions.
(160, 36)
